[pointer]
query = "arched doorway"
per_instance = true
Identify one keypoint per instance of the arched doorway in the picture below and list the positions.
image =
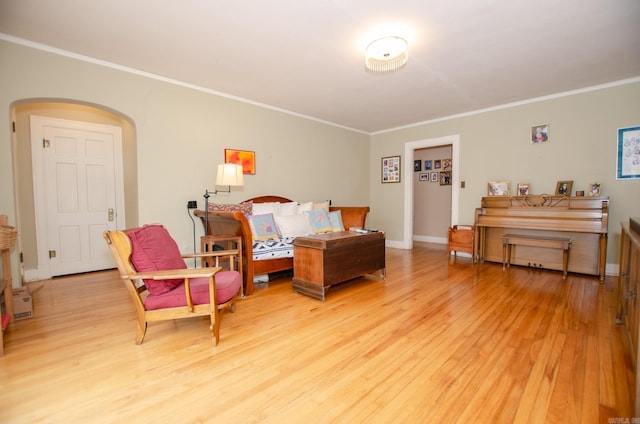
(21, 112)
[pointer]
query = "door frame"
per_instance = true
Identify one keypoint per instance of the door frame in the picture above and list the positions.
(37, 123)
(409, 148)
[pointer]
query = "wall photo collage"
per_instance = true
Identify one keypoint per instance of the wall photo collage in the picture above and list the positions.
(438, 170)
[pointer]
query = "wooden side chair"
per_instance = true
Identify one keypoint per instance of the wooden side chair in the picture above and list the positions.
(161, 285)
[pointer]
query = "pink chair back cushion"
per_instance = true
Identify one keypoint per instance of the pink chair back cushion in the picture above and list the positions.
(227, 285)
(153, 249)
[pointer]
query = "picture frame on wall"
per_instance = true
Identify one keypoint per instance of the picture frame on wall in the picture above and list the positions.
(427, 165)
(446, 164)
(417, 165)
(445, 178)
(563, 188)
(424, 176)
(390, 169)
(437, 164)
(539, 134)
(245, 158)
(435, 177)
(522, 189)
(628, 166)
(498, 188)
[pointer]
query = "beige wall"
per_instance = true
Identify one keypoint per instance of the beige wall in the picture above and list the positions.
(180, 137)
(494, 145)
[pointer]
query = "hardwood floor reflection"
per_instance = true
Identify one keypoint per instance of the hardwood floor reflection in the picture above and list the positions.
(440, 340)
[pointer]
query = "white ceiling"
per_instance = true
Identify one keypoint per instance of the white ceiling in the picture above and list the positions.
(307, 56)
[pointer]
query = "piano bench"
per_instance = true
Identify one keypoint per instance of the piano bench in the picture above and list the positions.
(508, 240)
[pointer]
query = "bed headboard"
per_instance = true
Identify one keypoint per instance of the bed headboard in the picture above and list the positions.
(265, 199)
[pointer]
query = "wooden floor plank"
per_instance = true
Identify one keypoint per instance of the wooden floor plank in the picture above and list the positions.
(439, 340)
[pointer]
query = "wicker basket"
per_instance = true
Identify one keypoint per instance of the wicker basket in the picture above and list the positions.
(8, 236)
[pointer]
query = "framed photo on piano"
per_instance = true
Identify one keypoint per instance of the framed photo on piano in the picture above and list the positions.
(563, 188)
(498, 188)
(523, 189)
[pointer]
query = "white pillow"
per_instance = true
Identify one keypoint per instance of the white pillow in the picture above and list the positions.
(322, 205)
(305, 207)
(289, 208)
(265, 208)
(294, 225)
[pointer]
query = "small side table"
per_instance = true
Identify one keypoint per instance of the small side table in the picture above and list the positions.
(208, 243)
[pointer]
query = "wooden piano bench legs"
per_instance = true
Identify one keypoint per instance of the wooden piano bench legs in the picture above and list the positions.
(563, 243)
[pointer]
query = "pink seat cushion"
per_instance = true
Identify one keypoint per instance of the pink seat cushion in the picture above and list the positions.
(153, 249)
(227, 285)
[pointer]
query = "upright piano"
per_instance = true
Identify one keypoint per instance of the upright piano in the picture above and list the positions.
(583, 219)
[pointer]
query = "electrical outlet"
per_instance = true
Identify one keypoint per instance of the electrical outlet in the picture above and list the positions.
(192, 204)
(462, 184)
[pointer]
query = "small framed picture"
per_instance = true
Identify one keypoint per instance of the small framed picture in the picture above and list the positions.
(446, 164)
(498, 188)
(594, 189)
(437, 164)
(427, 165)
(391, 169)
(417, 165)
(435, 177)
(628, 166)
(445, 178)
(424, 176)
(523, 189)
(539, 134)
(245, 158)
(564, 188)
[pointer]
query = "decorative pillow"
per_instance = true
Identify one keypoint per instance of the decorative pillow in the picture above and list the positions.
(244, 207)
(265, 208)
(319, 221)
(153, 249)
(305, 207)
(294, 225)
(289, 208)
(335, 218)
(322, 205)
(263, 226)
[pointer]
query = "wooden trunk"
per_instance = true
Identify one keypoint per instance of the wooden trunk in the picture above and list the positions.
(323, 260)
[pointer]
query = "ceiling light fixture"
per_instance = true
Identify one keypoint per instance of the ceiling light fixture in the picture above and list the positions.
(387, 54)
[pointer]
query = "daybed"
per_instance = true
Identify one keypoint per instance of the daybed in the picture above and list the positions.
(236, 223)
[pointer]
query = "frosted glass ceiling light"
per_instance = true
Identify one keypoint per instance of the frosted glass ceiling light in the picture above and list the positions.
(387, 54)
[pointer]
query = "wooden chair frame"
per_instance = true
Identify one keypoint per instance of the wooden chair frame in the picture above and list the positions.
(120, 247)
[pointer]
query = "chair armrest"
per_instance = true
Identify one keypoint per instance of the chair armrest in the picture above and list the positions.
(176, 273)
(215, 253)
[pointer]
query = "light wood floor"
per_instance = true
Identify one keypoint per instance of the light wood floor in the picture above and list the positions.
(439, 341)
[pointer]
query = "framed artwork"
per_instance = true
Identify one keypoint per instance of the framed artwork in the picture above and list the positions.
(445, 178)
(628, 153)
(437, 164)
(446, 164)
(424, 176)
(427, 165)
(564, 188)
(498, 188)
(594, 189)
(539, 134)
(241, 157)
(523, 189)
(435, 177)
(417, 165)
(391, 169)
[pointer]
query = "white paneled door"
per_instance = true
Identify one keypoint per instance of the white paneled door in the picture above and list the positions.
(78, 191)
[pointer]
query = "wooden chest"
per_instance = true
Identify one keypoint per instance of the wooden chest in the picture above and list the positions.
(323, 260)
